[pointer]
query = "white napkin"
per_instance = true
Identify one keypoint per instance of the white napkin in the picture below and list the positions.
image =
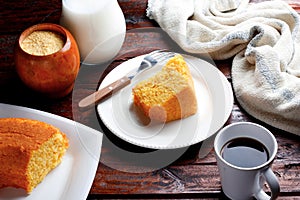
(264, 40)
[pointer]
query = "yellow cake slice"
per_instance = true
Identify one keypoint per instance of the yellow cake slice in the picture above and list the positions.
(168, 95)
(29, 150)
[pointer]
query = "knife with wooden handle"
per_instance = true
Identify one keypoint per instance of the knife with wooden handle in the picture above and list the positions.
(149, 61)
(104, 92)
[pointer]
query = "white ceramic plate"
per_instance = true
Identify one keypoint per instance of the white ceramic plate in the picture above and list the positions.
(215, 101)
(73, 178)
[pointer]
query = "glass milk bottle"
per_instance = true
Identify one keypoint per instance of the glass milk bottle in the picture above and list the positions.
(98, 27)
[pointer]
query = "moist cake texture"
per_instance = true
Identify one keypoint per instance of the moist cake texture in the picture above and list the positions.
(29, 150)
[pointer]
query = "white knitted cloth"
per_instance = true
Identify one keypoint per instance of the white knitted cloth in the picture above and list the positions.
(264, 40)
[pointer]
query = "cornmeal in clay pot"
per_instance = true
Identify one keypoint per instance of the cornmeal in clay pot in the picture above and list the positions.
(41, 43)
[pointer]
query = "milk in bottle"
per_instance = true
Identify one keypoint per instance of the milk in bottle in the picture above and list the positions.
(98, 26)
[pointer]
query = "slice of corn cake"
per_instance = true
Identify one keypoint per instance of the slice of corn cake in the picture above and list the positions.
(29, 150)
(169, 94)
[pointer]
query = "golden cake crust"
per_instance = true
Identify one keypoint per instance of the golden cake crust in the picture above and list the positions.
(20, 141)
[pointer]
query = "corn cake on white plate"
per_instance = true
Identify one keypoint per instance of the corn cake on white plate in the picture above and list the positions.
(73, 177)
(215, 100)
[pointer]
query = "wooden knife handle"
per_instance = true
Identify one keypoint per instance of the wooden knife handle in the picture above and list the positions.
(100, 94)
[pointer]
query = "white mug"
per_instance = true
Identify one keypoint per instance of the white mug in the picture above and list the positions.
(98, 26)
(240, 182)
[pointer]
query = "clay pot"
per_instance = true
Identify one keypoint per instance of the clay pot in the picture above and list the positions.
(52, 75)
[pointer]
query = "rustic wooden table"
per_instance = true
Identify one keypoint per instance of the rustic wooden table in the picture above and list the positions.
(191, 175)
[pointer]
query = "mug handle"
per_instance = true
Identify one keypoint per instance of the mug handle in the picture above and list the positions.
(273, 183)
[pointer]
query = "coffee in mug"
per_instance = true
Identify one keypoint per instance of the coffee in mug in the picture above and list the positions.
(245, 152)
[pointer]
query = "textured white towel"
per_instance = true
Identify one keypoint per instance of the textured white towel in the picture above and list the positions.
(264, 40)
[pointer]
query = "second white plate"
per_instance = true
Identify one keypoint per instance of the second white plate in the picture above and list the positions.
(73, 177)
(215, 101)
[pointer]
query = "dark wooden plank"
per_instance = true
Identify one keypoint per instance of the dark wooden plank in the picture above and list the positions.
(19, 15)
(135, 14)
(187, 177)
(200, 179)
